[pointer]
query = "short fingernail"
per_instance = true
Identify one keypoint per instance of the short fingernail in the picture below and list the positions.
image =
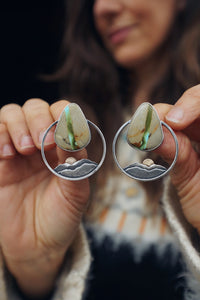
(27, 142)
(8, 150)
(175, 115)
(49, 139)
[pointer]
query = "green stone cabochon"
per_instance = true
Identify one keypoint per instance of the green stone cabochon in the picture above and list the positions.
(145, 131)
(72, 131)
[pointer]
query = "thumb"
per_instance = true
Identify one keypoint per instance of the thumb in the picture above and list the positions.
(63, 201)
(61, 209)
(187, 161)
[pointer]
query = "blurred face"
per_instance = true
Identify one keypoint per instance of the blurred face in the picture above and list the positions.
(133, 30)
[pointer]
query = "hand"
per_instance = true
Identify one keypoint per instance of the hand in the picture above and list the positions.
(39, 212)
(183, 117)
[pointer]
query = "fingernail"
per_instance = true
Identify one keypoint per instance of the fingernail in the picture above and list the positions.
(8, 150)
(49, 139)
(27, 142)
(175, 115)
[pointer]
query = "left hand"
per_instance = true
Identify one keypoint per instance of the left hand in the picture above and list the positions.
(184, 119)
(40, 213)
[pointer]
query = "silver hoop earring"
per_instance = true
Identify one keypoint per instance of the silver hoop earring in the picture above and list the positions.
(73, 134)
(145, 133)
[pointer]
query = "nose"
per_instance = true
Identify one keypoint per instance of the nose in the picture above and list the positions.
(106, 7)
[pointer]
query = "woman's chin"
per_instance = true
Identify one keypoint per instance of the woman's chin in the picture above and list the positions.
(131, 58)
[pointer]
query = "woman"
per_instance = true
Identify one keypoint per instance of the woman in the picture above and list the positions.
(118, 54)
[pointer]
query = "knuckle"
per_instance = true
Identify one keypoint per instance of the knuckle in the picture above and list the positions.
(57, 107)
(38, 115)
(7, 110)
(3, 129)
(10, 107)
(35, 104)
(36, 111)
(59, 103)
(193, 92)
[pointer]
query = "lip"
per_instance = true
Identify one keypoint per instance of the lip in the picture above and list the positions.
(118, 35)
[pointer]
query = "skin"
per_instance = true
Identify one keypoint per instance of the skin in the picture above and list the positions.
(32, 198)
(183, 117)
(40, 213)
(133, 31)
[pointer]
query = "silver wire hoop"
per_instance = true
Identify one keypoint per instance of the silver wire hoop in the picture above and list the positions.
(96, 166)
(145, 169)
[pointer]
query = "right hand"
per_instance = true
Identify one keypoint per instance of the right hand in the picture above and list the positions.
(39, 212)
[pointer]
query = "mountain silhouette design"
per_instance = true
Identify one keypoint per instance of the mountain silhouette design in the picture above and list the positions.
(78, 169)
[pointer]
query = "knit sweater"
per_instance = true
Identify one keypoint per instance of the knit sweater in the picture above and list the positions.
(130, 251)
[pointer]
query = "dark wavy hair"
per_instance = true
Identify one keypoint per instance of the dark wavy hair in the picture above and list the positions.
(87, 71)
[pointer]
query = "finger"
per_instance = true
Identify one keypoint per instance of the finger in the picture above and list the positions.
(162, 109)
(13, 117)
(168, 147)
(185, 173)
(187, 161)
(7, 149)
(186, 110)
(57, 108)
(64, 155)
(39, 118)
(192, 131)
(68, 199)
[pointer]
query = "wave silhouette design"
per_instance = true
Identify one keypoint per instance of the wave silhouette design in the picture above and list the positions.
(78, 169)
(140, 171)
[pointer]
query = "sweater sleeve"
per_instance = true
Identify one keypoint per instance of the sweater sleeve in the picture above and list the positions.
(71, 280)
(187, 236)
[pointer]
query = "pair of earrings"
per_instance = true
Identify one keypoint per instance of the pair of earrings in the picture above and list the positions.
(143, 132)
